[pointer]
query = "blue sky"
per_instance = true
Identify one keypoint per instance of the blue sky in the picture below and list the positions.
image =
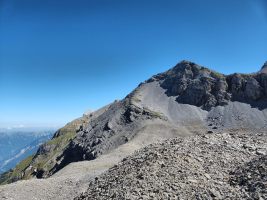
(61, 58)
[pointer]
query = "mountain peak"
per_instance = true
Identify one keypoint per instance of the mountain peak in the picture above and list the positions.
(265, 65)
(264, 68)
(200, 86)
(185, 64)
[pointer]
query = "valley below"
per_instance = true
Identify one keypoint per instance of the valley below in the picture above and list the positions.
(16, 145)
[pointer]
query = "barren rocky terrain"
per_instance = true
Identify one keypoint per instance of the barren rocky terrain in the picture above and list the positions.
(217, 166)
(207, 137)
(74, 178)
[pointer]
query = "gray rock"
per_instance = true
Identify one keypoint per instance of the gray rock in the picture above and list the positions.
(196, 85)
(184, 175)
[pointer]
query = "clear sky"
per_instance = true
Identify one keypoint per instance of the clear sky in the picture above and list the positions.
(59, 58)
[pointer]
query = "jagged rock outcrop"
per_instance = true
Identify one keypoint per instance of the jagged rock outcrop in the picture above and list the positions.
(115, 127)
(196, 85)
(88, 137)
(264, 68)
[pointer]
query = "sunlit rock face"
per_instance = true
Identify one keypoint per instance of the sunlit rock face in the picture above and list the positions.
(196, 85)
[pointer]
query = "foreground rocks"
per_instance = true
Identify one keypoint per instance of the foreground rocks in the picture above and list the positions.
(215, 166)
(252, 177)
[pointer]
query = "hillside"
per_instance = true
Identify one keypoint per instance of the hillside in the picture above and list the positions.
(16, 145)
(46, 155)
(217, 101)
(187, 100)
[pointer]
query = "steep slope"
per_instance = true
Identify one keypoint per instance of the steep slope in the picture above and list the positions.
(23, 152)
(13, 141)
(199, 86)
(217, 100)
(215, 166)
(45, 158)
(264, 68)
(186, 100)
(73, 179)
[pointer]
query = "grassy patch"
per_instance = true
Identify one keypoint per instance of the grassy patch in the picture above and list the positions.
(62, 139)
(16, 173)
(4, 178)
(217, 75)
(58, 144)
(44, 162)
(154, 114)
(135, 99)
(24, 164)
(47, 160)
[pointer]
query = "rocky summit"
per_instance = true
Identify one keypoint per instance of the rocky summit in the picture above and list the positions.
(199, 86)
(264, 68)
(202, 135)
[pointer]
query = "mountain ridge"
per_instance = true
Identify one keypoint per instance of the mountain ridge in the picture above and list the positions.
(264, 68)
(211, 88)
(219, 102)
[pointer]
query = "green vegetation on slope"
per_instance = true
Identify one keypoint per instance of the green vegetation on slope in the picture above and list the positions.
(46, 157)
(15, 174)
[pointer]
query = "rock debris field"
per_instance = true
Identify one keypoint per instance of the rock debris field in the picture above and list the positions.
(229, 165)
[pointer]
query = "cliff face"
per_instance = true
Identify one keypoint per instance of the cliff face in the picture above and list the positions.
(202, 87)
(85, 138)
(118, 124)
(180, 101)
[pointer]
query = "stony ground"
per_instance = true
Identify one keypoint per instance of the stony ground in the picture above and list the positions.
(65, 185)
(73, 179)
(216, 166)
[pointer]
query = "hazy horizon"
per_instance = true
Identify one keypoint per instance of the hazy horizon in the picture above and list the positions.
(59, 59)
(21, 127)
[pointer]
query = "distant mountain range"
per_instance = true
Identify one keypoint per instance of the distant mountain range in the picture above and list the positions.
(17, 144)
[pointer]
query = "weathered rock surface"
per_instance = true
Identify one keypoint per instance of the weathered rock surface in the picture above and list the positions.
(252, 176)
(185, 100)
(73, 179)
(196, 85)
(215, 166)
